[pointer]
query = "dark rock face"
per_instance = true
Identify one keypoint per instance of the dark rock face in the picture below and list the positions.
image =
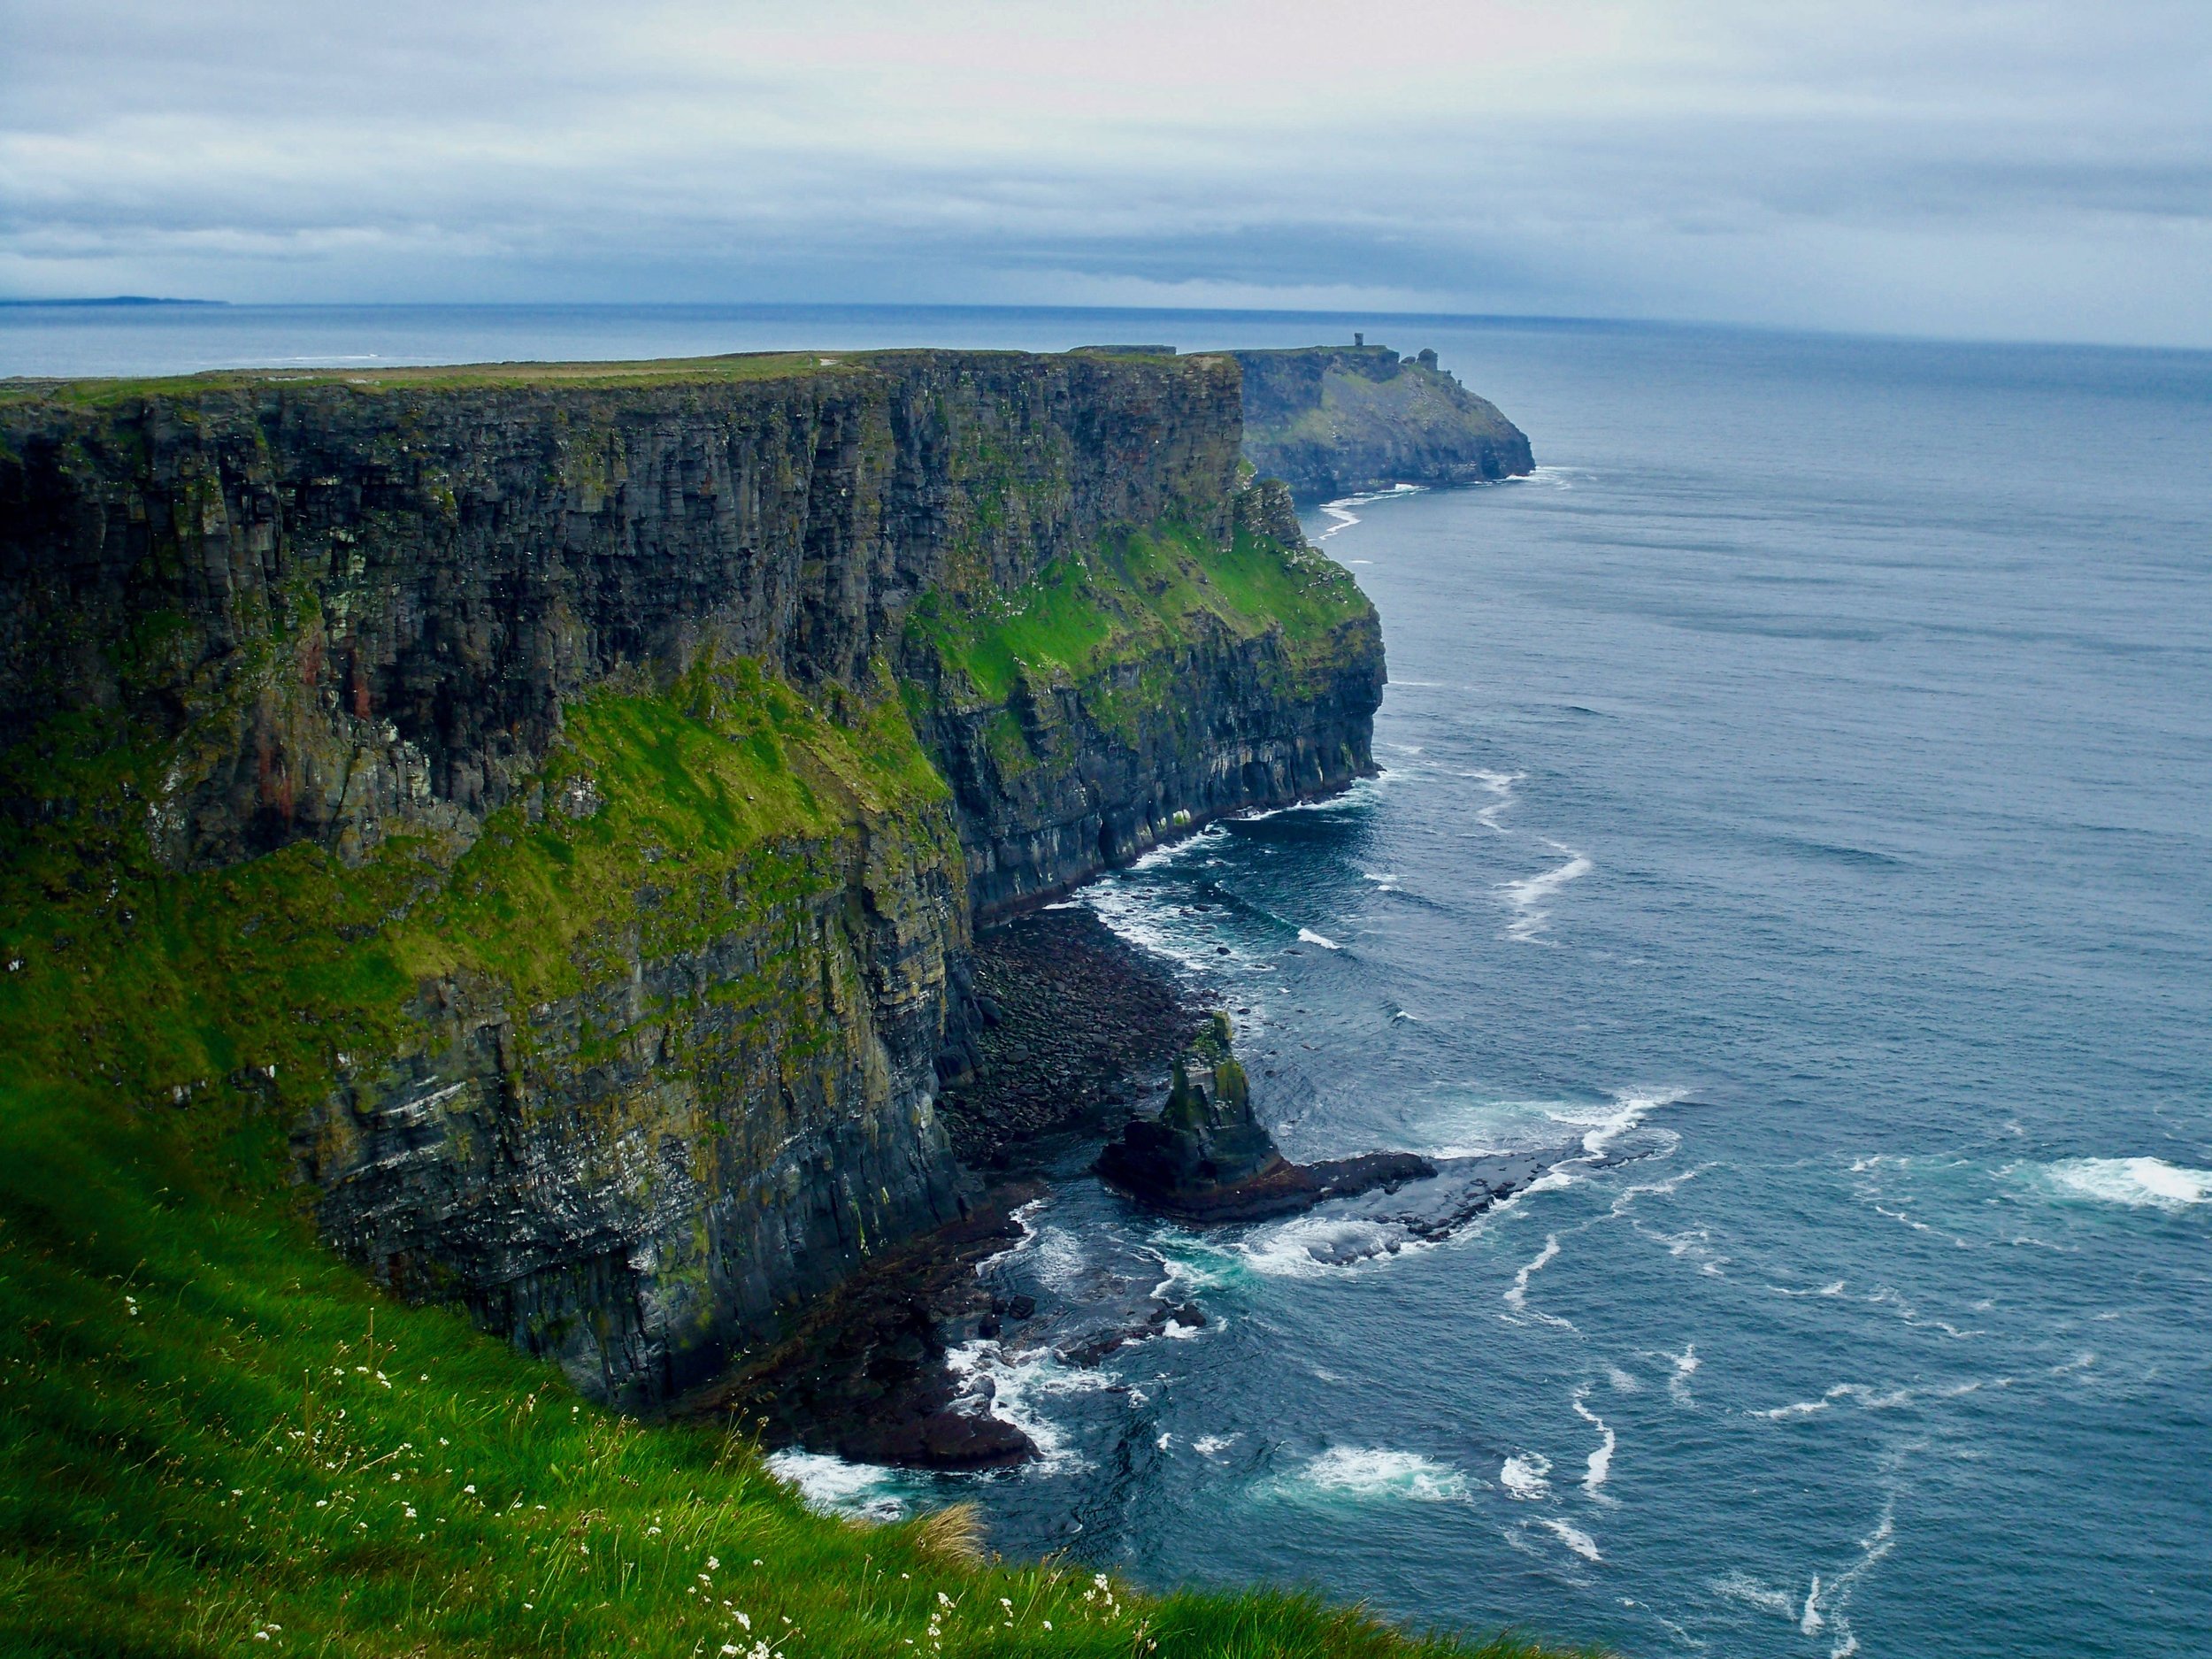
(637, 1179)
(1224, 722)
(862, 1373)
(1207, 1156)
(367, 605)
(345, 613)
(1062, 1016)
(1334, 420)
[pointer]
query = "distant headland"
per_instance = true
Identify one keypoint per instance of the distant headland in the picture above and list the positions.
(1334, 420)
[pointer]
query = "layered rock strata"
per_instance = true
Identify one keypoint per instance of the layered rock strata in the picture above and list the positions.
(626, 749)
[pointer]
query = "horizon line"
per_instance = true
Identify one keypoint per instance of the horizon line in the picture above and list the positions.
(1555, 320)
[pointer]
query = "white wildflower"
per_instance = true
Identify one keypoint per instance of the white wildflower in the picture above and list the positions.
(713, 1564)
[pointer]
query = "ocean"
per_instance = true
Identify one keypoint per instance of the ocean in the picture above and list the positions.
(1797, 796)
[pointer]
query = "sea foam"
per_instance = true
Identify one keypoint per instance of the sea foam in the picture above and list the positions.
(1529, 898)
(1527, 1476)
(2139, 1183)
(1366, 1472)
(830, 1486)
(1574, 1538)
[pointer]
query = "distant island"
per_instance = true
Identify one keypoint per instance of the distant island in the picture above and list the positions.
(1334, 420)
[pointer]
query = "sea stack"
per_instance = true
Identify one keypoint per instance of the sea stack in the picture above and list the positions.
(1207, 1156)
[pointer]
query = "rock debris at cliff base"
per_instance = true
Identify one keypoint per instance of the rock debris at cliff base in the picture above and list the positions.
(1066, 1018)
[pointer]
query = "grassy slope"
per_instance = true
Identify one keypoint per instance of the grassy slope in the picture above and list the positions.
(215, 1438)
(1144, 592)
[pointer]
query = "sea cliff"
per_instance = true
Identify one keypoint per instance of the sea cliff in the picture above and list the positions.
(1334, 420)
(553, 802)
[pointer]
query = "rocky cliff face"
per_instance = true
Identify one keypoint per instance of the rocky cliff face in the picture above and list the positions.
(648, 736)
(1333, 420)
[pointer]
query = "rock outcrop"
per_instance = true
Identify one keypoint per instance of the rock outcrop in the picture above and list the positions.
(1207, 1156)
(1334, 420)
(582, 779)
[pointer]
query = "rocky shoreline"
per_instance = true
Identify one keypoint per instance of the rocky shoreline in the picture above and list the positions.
(1071, 1034)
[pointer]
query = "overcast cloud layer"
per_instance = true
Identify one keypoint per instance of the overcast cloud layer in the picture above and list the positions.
(2029, 169)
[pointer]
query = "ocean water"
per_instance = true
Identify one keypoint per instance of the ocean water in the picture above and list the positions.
(1799, 793)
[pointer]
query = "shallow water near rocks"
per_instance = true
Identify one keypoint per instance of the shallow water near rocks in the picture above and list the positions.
(1804, 783)
(1805, 778)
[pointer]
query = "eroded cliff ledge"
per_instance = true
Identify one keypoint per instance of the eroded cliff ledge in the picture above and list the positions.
(562, 795)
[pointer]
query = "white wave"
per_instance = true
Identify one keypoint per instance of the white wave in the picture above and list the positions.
(1310, 1247)
(1500, 784)
(1797, 1408)
(2139, 1183)
(1552, 477)
(1622, 1382)
(830, 1486)
(1463, 1126)
(1346, 521)
(1018, 1384)
(1307, 936)
(1214, 1444)
(1181, 1276)
(1531, 898)
(1600, 1461)
(1527, 1476)
(1517, 1293)
(1364, 1473)
(1686, 1364)
(1872, 1547)
(1628, 1109)
(1575, 1538)
(1742, 1587)
(1057, 1256)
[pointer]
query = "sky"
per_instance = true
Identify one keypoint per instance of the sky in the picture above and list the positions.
(2024, 170)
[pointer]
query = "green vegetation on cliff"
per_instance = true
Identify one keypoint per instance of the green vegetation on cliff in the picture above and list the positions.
(658, 815)
(215, 1436)
(1147, 593)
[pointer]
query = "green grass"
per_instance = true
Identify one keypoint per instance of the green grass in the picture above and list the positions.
(209, 1429)
(717, 371)
(1135, 598)
(216, 1438)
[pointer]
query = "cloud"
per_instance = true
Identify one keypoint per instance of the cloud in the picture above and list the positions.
(2027, 169)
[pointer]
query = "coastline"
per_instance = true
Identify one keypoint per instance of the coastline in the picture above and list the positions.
(1073, 1031)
